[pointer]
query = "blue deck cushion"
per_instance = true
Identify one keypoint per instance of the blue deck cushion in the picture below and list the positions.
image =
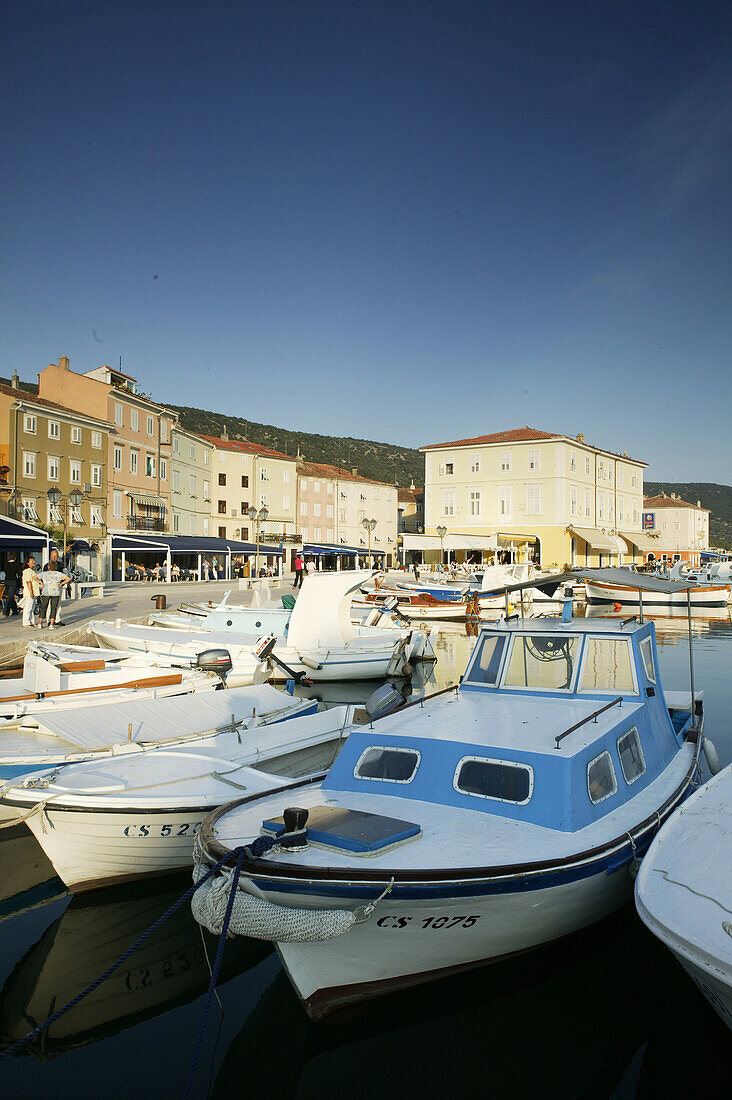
(351, 830)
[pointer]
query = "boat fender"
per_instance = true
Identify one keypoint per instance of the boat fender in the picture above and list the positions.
(711, 756)
(617, 607)
(310, 663)
(407, 670)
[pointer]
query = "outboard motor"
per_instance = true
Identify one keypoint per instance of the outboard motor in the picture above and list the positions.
(384, 700)
(214, 660)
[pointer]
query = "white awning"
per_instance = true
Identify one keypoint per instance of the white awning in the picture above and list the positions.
(600, 540)
(145, 498)
(640, 539)
(450, 542)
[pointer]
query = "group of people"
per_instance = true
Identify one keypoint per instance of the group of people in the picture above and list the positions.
(301, 569)
(36, 594)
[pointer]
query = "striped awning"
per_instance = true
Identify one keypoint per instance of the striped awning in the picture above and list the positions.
(147, 500)
(643, 541)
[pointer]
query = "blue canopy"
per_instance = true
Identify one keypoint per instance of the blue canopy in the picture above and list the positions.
(316, 549)
(187, 544)
(15, 535)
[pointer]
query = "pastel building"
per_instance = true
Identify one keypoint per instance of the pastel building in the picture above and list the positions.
(681, 529)
(190, 483)
(138, 455)
(535, 494)
(333, 504)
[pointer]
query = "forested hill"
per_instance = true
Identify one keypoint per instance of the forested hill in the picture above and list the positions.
(717, 498)
(382, 461)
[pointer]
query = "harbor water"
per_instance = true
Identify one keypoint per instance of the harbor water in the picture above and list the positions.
(604, 1013)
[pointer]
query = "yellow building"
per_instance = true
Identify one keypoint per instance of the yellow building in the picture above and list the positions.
(246, 475)
(553, 498)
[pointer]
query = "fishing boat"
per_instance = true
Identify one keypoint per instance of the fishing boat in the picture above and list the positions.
(469, 826)
(51, 682)
(53, 739)
(321, 642)
(620, 586)
(120, 819)
(683, 892)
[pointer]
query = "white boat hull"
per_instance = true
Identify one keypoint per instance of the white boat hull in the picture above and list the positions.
(407, 942)
(703, 596)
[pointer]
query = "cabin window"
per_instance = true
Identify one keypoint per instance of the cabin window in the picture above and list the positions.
(601, 782)
(487, 663)
(647, 654)
(497, 779)
(631, 755)
(390, 765)
(541, 661)
(608, 665)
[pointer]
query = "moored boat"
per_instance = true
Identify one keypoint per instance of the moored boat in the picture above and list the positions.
(683, 892)
(469, 826)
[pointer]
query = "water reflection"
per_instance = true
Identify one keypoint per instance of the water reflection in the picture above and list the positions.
(27, 877)
(572, 1020)
(168, 970)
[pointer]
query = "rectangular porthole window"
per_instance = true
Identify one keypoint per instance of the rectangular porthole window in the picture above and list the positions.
(631, 755)
(500, 780)
(387, 765)
(601, 781)
(647, 654)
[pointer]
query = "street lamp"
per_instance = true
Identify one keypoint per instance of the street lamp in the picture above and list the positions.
(258, 517)
(441, 531)
(368, 525)
(74, 500)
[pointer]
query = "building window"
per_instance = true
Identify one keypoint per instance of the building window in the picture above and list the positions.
(205, 463)
(634, 481)
(133, 462)
(244, 507)
(76, 434)
(285, 477)
(534, 501)
(117, 503)
(96, 475)
(600, 506)
(330, 488)
(54, 429)
(504, 461)
(163, 469)
(222, 507)
(534, 460)
(95, 515)
(222, 479)
(475, 464)
(677, 526)
(176, 521)
(176, 481)
(316, 508)
(572, 461)
(587, 465)
(303, 507)
(205, 525)
(29, 463)
(621, 509)
(54, 468)
(193, 453)
(329, 511)
(134, 420)
(449, 469)
(206, 490)
(175, 444)
(448, 502)
(75, 472)
(150, 425)
(341, 515)
(303, 483)
(505, 505)
(30, 424)
(222, 532)
(163, 430)
(96, 439)
(620, 477)
(588, 503)
(263, 475)
(317, 534)
(29, 510)
(192, 485)
(244, 481)
(316, 486)
(150, 465)
(475, 504)
(329, 534)
(286, 503)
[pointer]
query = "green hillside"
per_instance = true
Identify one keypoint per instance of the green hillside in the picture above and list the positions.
(382, 461)
(717, 498)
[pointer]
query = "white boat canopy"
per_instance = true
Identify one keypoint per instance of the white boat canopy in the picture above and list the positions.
(147, 721)
(321, 617)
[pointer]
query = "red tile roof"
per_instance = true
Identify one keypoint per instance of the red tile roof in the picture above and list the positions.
(243, 447)
(335, 473)
(410, 495)
(662, 501)
(523, 435)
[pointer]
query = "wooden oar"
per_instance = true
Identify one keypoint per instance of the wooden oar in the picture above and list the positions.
(151, 681)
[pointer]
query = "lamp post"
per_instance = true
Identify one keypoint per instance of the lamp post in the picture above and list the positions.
(368, 525)
(441, 531)
(257, 517)
(74, 500)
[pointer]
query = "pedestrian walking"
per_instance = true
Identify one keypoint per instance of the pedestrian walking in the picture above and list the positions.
(206, 568)
(54, 582)
(298, 571)
(215, 569)
(12, 583)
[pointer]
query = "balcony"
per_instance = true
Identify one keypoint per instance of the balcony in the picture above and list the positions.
(146, 523)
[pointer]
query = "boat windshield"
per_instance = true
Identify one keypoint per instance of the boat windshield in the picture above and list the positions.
(542, 661)
(487, 663)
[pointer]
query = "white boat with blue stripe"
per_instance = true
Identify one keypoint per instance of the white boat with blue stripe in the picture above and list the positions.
(486, 820)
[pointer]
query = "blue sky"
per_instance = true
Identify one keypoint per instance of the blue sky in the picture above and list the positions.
(410, 222)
